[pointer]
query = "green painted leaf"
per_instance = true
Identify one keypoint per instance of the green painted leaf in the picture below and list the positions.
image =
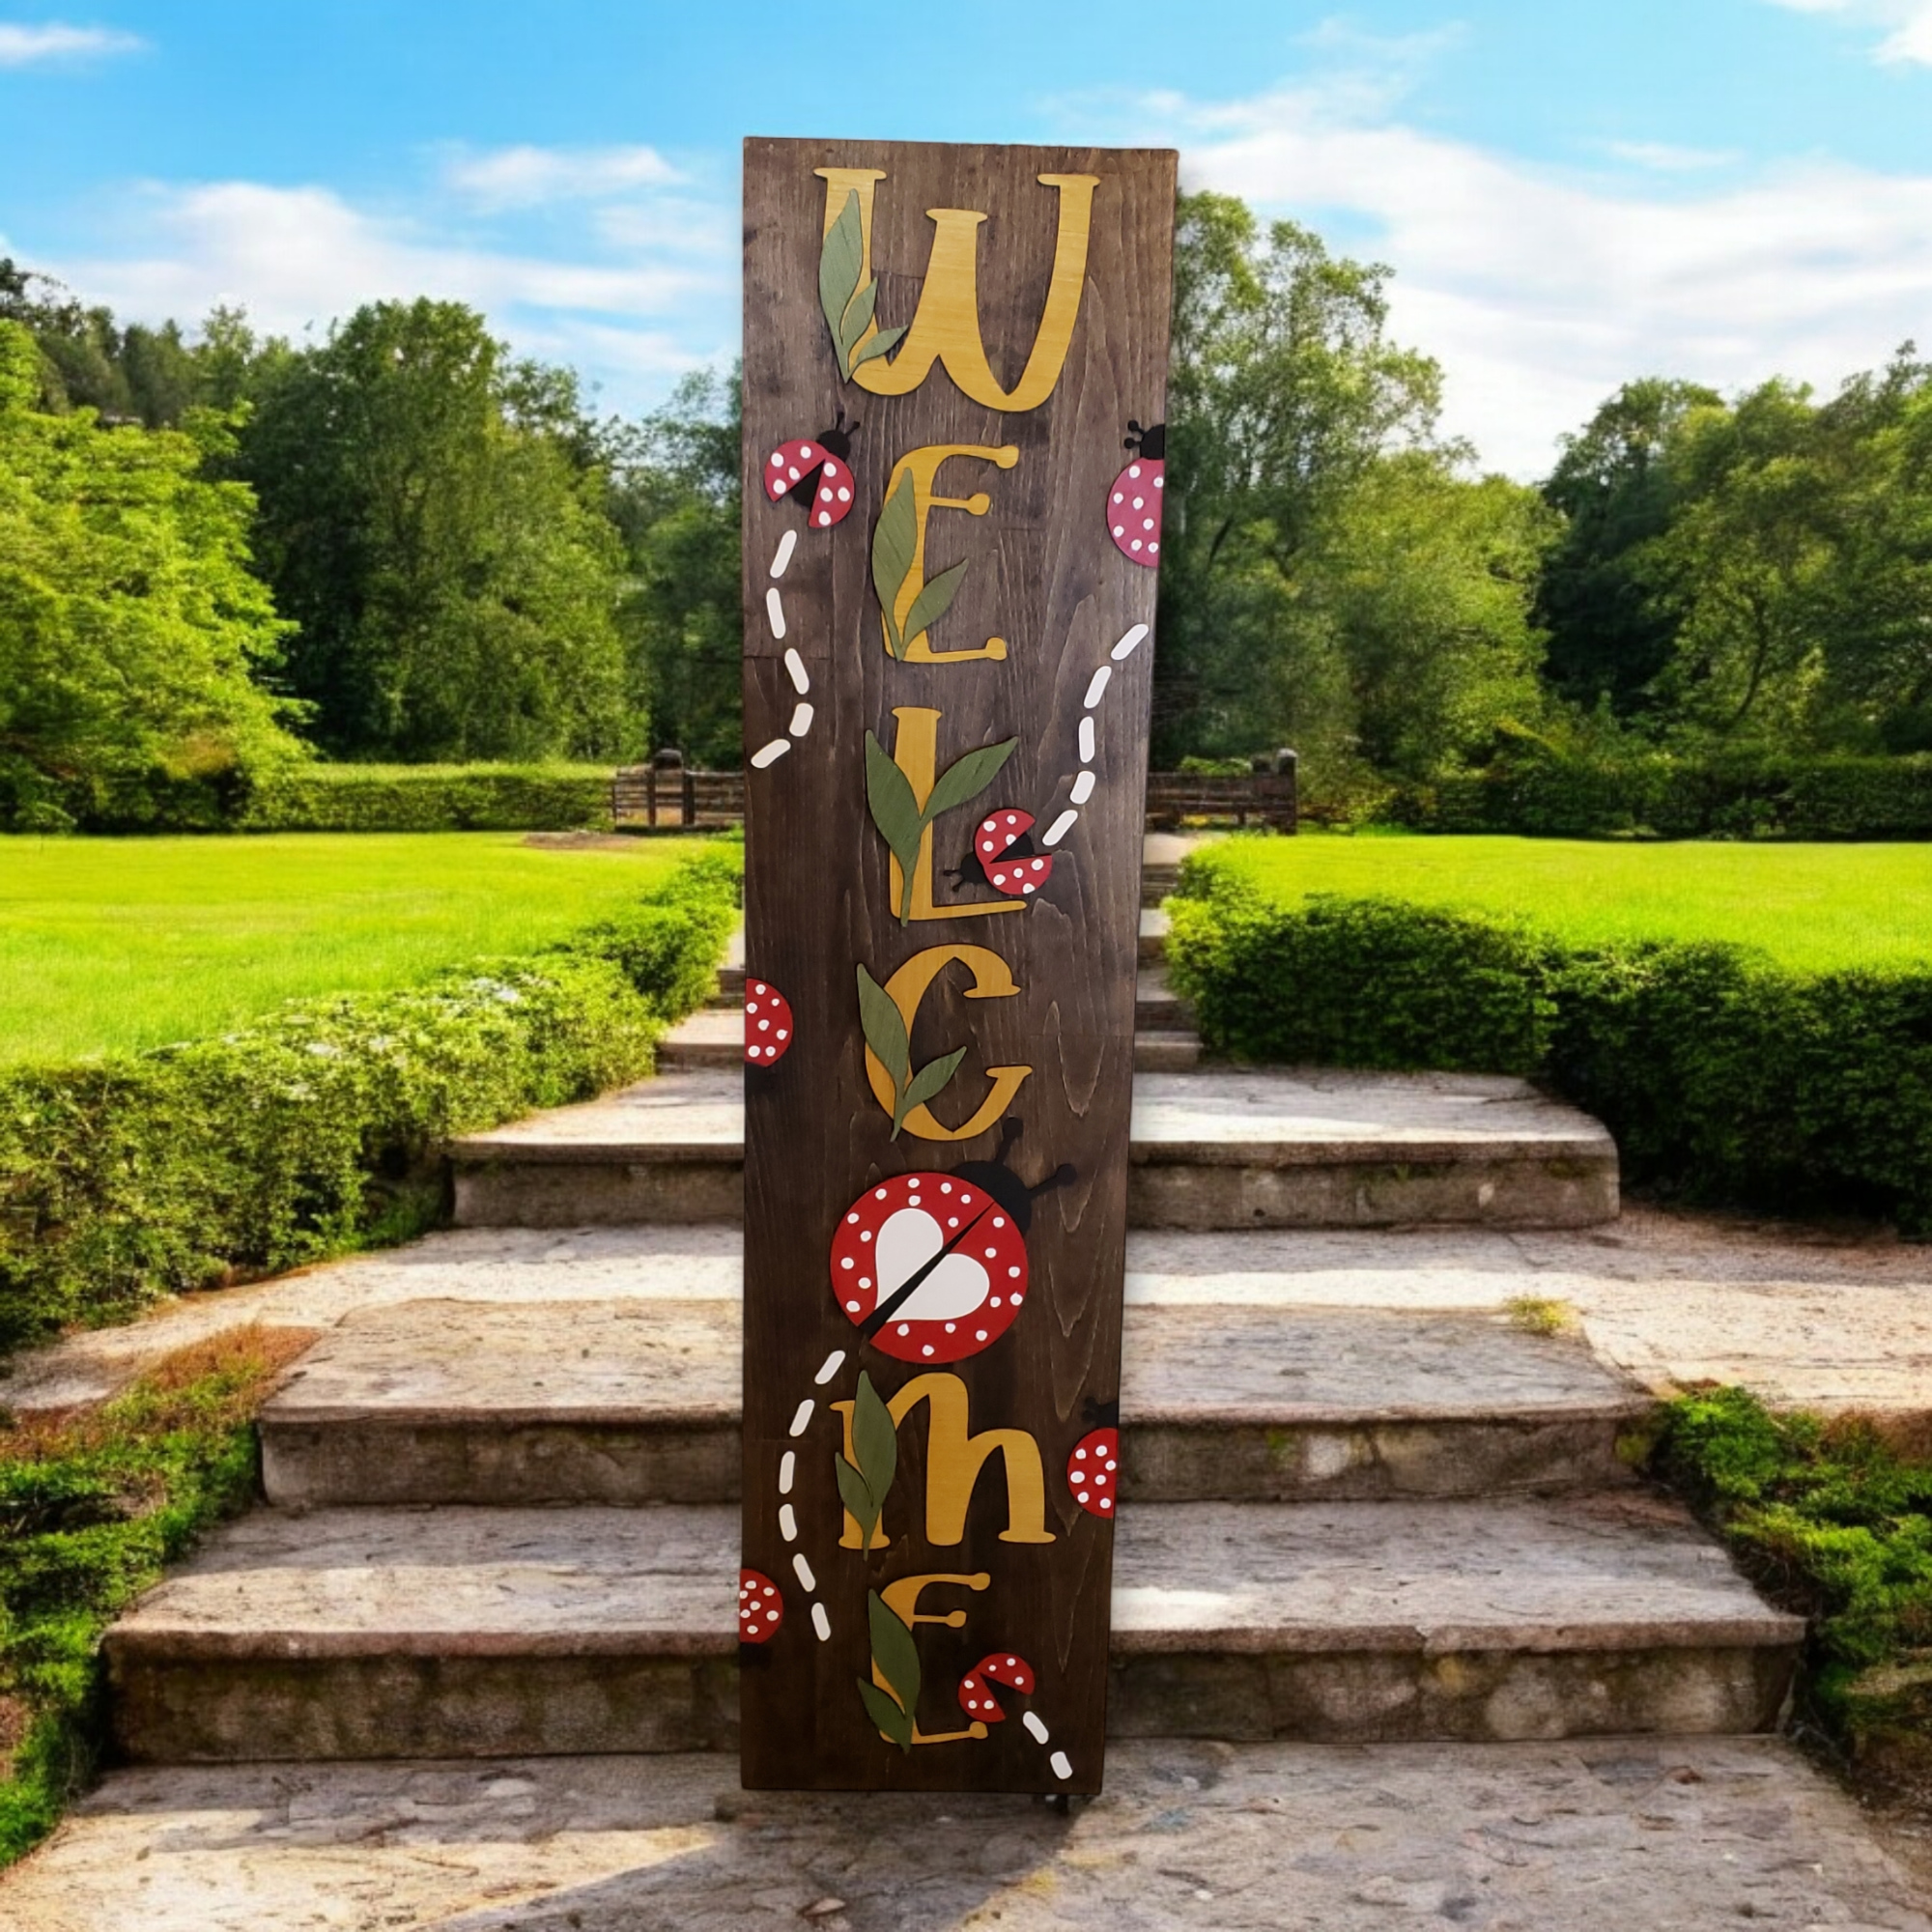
(857, 1497)
(880, 345)
(894, 809)
(839, 259)
(885, 1029)
(933, 601)
(967, 777)
(925, 1082)
(884, 1713)
(875, 1441)
(893, 1651)
(856, 321)
(895, 538)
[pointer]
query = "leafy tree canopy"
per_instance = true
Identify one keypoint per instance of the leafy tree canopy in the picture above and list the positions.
(132, 637)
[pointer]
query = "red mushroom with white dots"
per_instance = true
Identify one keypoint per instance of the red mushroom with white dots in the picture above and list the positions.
(768, 1023)
(1094, 1471)
(761, 1607)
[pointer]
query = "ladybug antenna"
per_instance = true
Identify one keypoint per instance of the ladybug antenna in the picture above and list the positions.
(1133, 441)
(1062, 1176)
(1010, 1130)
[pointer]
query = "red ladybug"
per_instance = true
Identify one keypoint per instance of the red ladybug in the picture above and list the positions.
(1007, 855)
(816, 475)
(930, 1267)
(1001, 1667)
(1094, 1471)
(768, 1023)
(1133, 503)
(761, 1607)
(933, 1267)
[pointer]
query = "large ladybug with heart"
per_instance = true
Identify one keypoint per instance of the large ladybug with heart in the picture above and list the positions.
(815, 474)
(1133, 502)
(933, 1267)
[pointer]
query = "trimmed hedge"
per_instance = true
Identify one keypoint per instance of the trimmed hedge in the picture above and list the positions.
(313, 798)
(1725, 1077)
(312, 1131)
(1745, 795)
(427, 798)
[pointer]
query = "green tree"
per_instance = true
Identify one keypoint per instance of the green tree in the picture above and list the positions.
(1609, 638)
(1283, 391)
(675, 497)
(133, 637)
(1408, 639)
(428, 523)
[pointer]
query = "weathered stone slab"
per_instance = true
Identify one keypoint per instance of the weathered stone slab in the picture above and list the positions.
(713, 1040)
(383, 1633)
(1804, 1318)
(637, 1401)
(1679, 1836)
(1217, 1149)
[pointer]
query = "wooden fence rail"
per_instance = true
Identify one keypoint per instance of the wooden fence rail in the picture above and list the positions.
(674, 795)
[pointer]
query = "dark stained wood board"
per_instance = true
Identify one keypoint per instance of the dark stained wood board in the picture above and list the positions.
(1045, 575)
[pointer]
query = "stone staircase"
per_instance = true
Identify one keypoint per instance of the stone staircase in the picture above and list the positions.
(499, 1529)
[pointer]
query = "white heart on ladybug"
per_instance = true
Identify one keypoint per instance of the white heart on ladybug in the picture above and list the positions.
(955, 1288)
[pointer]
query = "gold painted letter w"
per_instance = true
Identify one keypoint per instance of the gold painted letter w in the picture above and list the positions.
(945, 325)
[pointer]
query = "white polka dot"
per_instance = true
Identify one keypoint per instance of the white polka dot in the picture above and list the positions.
(777, 463)
(793, 474)
(1133, 470)
(805, 452)
(1158, 481)
(844, 496)
(825, 522)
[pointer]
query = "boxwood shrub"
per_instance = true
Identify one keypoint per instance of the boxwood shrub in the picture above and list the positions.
(1725, 1077)
(313, 1131)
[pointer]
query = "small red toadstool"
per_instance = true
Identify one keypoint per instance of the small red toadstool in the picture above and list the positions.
(761, 1607)
(1093, 1471)
(768, 1023)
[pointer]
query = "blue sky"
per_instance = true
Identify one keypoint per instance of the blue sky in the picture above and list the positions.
(1569, 194)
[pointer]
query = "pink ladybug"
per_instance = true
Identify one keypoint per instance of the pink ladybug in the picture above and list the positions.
(1007, 855)
(1133, 503)
(816, 475)
(768, 1024)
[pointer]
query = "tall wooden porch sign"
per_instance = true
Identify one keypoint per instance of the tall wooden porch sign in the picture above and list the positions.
(954, 373)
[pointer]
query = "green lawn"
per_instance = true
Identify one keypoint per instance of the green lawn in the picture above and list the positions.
(110, 942)
(1814, 907)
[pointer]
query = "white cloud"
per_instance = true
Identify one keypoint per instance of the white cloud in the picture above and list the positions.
(52, 41)
(1665, 158)
(1541, 289)
(630, 311)
(528, 177)
(1906, 24)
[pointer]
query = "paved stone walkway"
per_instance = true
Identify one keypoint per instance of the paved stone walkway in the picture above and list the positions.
(1652, 1835)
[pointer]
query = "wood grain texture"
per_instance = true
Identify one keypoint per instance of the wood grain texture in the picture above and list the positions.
(1044, 575)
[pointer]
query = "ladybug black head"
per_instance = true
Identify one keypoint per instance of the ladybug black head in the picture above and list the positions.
(1147, 443)
(1005, 1185)
(839, 438)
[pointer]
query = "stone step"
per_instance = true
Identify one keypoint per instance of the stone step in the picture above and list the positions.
(637, 1400)
(448, 1632)
(1152, 947)
(1223, 1149)
(1158, 881)
(1157, 1008)
(713, 1039)
(1680, 1834)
